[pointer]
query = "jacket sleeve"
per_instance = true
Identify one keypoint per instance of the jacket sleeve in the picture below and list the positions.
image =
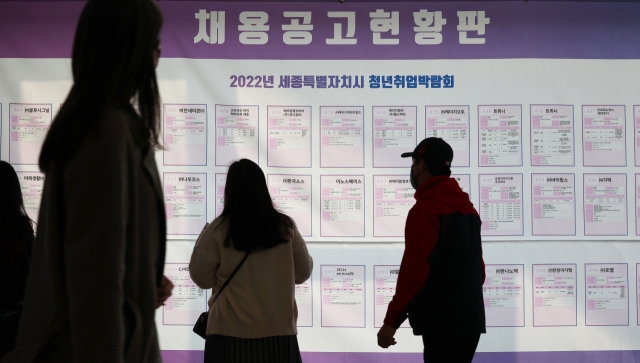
(97, 182)
(205, 259)
(421, 235)
(302, 261)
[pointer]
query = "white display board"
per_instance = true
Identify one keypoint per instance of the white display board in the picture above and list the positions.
(546, 144)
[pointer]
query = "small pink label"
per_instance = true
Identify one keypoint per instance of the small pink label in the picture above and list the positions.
(326, 215)
(169, 210)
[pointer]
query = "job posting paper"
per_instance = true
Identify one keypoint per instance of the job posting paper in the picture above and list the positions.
(450, 123)
(187, 301)
(394, 133)
(31, 185)
(552, 135)
(291, 195)
(342, 205)
(289, 130)
(392, 200)
(185, 134)
(304, 301)
(501, 204)
(341, 137)
(503, 292)
(605, 204)
(603, 131)
(500, 135)
(343, 303)
(28, 125)
(186, 202)
(386, 279)
(607, 294)
(554, 204)
(554, 295)
(236, 133)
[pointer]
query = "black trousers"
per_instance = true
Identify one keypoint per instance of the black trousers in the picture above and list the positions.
(450, 348)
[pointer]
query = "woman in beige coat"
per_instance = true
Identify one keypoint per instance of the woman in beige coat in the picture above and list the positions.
(96, 272)
(254, 318)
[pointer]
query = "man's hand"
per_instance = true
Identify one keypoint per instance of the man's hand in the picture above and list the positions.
(385, 336)
(164, 292)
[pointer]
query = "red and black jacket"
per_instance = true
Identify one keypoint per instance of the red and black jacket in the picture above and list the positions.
(440, 281)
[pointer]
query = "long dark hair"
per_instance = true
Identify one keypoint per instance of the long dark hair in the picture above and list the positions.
(112, 64)
(15, 225)
(253, 222)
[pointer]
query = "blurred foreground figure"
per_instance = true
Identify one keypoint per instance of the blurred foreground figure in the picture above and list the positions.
(96, 272)
(16, 241)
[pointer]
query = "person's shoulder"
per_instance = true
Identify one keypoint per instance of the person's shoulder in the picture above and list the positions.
(218, 228)
(425, 206)
(119, 124)
(217, 222)
(109, 143)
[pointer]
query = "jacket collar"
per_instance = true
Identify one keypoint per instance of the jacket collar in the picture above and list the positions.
(427, 184)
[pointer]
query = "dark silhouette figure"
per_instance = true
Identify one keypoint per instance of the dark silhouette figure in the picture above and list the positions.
(16, 241)
(96, 275)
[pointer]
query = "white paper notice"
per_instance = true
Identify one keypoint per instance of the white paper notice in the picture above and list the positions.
(554, 204)
(501, 204)
(185, 134)
(607, 294)
(605, 204)
(392, 200)
(503, 292)
(289, 131)
(187, 300)
(343, 296)
(221, 182)
(28, 124)
(386, 278)
(31, 185)
(552, 135)
(636, 117)
(342, 137)
(500, 135)
(603, 131)
(342, 205)
(291, 195)
(394, 133)
(554, 295)
(185, 196)
(464, 181)
(236, 133)
(450, 123)
(304, 301)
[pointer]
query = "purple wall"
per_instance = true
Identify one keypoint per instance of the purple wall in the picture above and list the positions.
(568, 30)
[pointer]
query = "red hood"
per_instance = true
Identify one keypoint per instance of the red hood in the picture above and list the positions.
(445, 190)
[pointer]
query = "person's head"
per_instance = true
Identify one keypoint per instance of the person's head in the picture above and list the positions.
(14, 221)
(432, 157)
(114, 56)
(253, 221)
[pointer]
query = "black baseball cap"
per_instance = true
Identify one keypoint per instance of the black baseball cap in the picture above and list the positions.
(436, 153)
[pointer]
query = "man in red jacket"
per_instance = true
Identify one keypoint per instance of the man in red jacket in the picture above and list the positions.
(441, 275)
